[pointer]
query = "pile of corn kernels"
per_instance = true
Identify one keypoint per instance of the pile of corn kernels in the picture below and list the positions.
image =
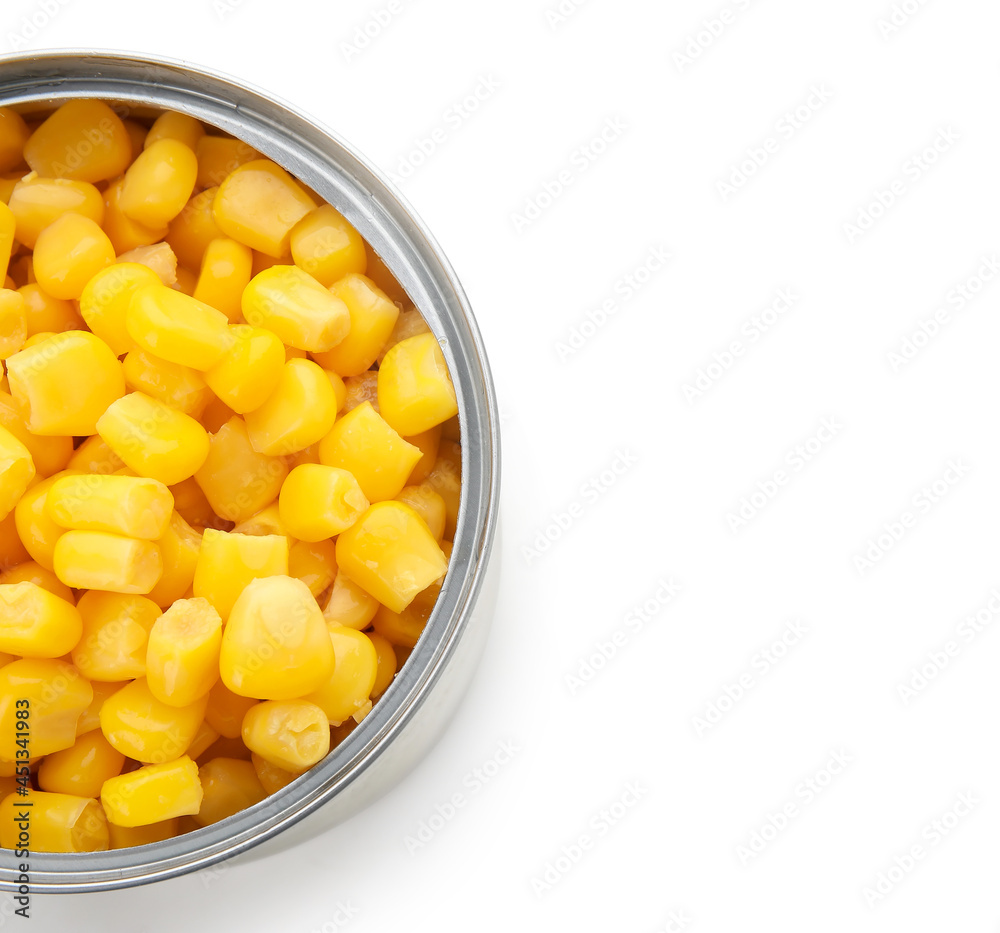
(229, 477)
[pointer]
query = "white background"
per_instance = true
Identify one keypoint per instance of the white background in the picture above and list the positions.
(683, 842)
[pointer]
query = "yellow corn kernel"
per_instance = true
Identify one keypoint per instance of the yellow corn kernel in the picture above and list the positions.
(14, 134)
(125, 837)
(47, 314)
(386, 669)
(203, 739)
(159, 182)
(349, 605)
(186, 281)
(65, 383)
(13, 322)
(153, 794)
(428, 441)
(237, 480)
(191, 504)
(133, 506)
(362, 443)
(173, 125)
(314, 563)
(220, 155)
(318, 502)
(293, 305)
(12, 549)
(35, 529)
(326, 246)
(402, 628)
(116, 629)
(159, 258)
(178, 386)
(137, 133)
(348, 689)
(69, 252)
(275, 645)
(379, 273)
(7, 183)
(429, 505)
(16, 471)
(20, 270)
(415, 392)
(8, 227)
(373, 316)
(154, 439)
(37, 202)
(271, 777)
(56, 695)
(225, 272)
(409, 323)
(57, 823)
(391, 553)
(97, 560)
(308, 454)
(94, 456)
(35, 623)
(81, 769)
(262, 261)
(339, 389)
(179, 546)
(90, 718)
(258, 204)
(49, 454)
(360, 389)
(265, 522)
(230, 785)
(225, 710)
(176, 327)
(83, 139)
(125, 233)
(194, 228)
(228, 562)
(446, 480)
(291, 734)
(31, 571)
(249, 371)
(182, 659)
(146, 729)
(300, 411)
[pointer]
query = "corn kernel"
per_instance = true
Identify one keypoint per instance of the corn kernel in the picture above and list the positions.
(137, 133)
(203, 739)
(446, 480)
(34, 527)
(271, 777)
(173, 125)
(276, 644)
(415, 392)
(258, 204)
(176, 327)
(186, 281)
(182, 659)
(191, 504)
(373, 316)
(96, 560)
(146, 729)
(81, 769)
(153, 794)
(220, 155)
(225, 272)
(318, 502)
(125, 233)
(90, 718)
(116, 629)
(65, 383)
(314, 563)
(362, 443)
(349, 605)
(13, 322)
(56, 695)
(326, 246)
(230, 785)
(360, 389)
(303, 313)
(348, 689)
(391, 553)
(386, 669)
(14, 134)
(134, 506)
(35, 623)
(12, 549)
(429, 505)
(379, 273)
(37, 202)
(402, 628)
(226, 710)
(291, 734)
(69, 252)
(428, 442)
(178, 386)
(250, 369)
(228, 563)
(125, 837)
(8, 227)
(32, 572)
(408, 324)
(153, 439)
(83, 139)
(16, 471)
(300, 411)
(237, 480)
(47, 314)
(59, 823)
(193, 229)
(159, 182)
(93, 456)
(159, 258)
(265, 522)
(179, 546)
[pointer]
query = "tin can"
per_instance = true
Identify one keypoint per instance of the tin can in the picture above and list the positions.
(411, 714)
